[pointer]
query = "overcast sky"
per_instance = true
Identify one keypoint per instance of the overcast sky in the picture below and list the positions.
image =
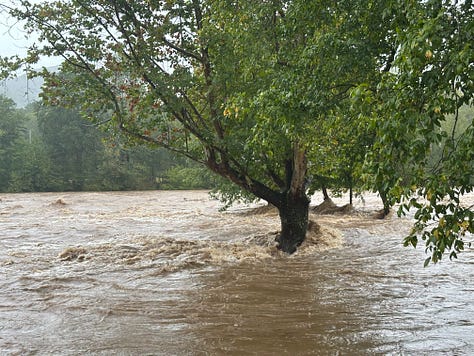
(13, 40)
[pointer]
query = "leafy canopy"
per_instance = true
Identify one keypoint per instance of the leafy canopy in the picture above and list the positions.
(238, 86)
(253, 89)
(431, 83)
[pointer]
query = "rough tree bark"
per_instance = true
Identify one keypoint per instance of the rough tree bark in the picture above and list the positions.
(291, 201)
(294, 222)
(293, 206)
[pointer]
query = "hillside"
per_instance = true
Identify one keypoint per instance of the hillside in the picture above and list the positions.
(21, 90)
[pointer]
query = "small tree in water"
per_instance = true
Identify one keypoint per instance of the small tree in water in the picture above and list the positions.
(242, 87)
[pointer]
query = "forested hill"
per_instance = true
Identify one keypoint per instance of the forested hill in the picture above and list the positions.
(22, 90)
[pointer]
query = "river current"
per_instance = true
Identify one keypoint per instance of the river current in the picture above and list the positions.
(167, 273)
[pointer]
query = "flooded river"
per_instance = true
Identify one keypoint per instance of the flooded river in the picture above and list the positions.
(166, 273)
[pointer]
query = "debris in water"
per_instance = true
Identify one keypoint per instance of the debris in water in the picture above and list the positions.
(59, 202)
(264, 210)
(380, 214)
(73, 253)
(328, 207)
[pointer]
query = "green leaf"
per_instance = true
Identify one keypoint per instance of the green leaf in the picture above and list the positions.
(427, 262)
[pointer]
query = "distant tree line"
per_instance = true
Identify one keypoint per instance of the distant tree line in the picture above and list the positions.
(44, 148)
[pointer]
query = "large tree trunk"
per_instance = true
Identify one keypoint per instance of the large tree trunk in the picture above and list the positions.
(294, 222)
(291, 201)
(294, 203)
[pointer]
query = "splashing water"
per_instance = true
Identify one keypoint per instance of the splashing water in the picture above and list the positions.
(167, 273)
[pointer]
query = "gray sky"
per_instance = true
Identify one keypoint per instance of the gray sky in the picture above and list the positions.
(13, 40)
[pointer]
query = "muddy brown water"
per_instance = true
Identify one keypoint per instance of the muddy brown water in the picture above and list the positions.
(166, 273)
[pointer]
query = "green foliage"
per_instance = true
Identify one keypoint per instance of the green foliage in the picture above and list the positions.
(12, 127)
(424, 154)
(32, 168)
(269, 94)
(242, 87)
(192, 177)
(53, 149)
(73, 145)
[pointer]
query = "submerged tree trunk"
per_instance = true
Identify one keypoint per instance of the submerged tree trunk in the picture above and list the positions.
(386, 204)
(294, 222)
(294, 203)
(325, 192)
(291, 200)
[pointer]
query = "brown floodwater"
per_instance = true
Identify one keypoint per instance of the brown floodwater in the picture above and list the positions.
(166, 273)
